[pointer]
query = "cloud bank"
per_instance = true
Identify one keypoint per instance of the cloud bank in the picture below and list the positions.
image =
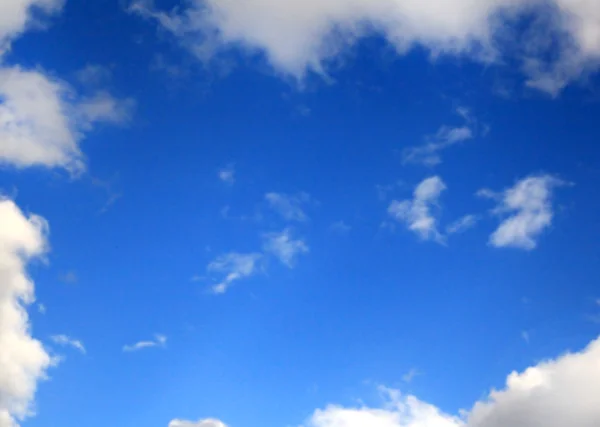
(560, 41)
(23, 359)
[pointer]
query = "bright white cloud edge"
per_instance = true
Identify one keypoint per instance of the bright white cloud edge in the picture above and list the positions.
(24, 360)
(298, 36)
(554, 393)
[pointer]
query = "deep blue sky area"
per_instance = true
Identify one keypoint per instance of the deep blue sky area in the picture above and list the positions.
(358, 280)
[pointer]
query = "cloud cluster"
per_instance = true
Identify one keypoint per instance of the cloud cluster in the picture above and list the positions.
(560, 43)
(23, 360)
(416, 213)
(528, 205)
(555, 393)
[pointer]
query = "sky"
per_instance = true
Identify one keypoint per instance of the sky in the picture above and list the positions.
(299, 213)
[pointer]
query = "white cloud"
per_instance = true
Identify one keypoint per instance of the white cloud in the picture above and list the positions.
(428, 154)
(416, 213)
(202, 423)
(233, 266)
(227, 174)
(284, 247)
(561, 42)
(462, 224)
(16, 15)
(555, 393)
(529, 204)
(42, 122)
(159, 341)
(289, 206)
(41, 308)
(340, 227)
(94, 74)
(24, 360)
(64, 340)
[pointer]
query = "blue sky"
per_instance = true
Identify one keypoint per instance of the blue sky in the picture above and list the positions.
(299, 213)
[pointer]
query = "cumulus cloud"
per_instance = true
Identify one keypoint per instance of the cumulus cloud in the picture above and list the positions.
(288, 206)
(24, 360)
(42, 121)
(528, 205)
(158, 341)
(67, 341)
(233, 266)
(554, 393)
(416, 213)
(284, 247)
(560, 43)
(16, 15)
(202, 423)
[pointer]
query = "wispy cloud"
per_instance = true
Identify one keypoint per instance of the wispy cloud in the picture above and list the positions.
(159, 341)
(233, 267)
(416, 213)
(67, 341)
(227, 174)
(290, 207)
(462, 224)
(429, 154)
(528, 205)
(284, 247)
(340, 227)
(410, 375)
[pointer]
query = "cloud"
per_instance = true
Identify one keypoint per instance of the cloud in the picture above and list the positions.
(202, 423)
(16, 16)
(24, 360)
(284, 247)
(416, 213)
(93, 75)
(64, 340)
(69, 278)
(159, 341)
(447, 136)
(554, 393)
(288, 206)
(233, 266)
(529, 206)
(340, 227)
(42, 122)
(559, 43)
(227, 174)
(462, 224)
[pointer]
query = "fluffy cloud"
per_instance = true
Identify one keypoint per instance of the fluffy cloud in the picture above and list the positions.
(556, 393)
(284, 247)
(67, 341)
(297, 36)
(24, 360)
(529, 206)
(42, 122)
(416, 213)
(288, 206)
(233, 266)
(15, 15)
(159, 341)
(202, 423)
